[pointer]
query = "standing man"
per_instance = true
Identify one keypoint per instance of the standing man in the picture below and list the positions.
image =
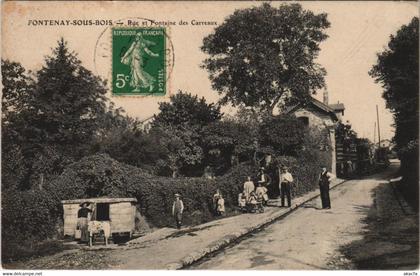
(324, 187)
(177, 209)
(285, 181)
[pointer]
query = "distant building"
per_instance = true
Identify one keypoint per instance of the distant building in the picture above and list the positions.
(146, 124)
(323, 116)
(386, 143)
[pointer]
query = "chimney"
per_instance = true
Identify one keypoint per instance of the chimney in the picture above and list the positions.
(325, 99)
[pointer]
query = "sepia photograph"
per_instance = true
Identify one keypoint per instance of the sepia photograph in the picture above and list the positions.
(199, 135)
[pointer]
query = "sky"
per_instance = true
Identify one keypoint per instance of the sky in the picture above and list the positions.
(359, 30)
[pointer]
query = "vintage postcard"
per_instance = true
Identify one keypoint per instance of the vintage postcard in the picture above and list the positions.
(228, 135)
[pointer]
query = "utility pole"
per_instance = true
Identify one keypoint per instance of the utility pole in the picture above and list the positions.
(374, 133)
(379, 130)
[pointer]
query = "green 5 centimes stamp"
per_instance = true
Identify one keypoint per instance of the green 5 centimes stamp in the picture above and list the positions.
(138, 61)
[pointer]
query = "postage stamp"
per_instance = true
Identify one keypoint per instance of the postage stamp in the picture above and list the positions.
(139, 61)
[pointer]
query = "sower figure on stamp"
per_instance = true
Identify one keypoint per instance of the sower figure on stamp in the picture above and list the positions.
(324, 187)
(134, 57)
(286, 180)
(177, 209)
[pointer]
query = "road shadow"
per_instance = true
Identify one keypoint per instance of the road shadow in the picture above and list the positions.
(390, 236)
(190, 231)
(311, 206)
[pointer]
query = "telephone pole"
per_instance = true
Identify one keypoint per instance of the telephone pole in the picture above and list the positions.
(374, 133)
(379, 130)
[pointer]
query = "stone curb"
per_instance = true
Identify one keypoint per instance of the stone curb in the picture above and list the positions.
(221, 244)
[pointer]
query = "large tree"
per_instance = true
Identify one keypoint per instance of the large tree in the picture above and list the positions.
(397, 70)
(178, 127)
(17, 87)
(52, 118)
(264, 56)
(186, 109)
(225, 142)
(68, 99)
(183, 154)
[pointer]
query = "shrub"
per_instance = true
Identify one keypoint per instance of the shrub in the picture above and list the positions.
(100, 175)
(33, 215)
(27, 218)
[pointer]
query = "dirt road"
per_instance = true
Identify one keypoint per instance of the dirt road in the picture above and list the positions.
(309, 238)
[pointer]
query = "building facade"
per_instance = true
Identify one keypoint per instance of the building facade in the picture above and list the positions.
(322, 116)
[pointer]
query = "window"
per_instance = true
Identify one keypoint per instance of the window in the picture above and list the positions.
(102, 211)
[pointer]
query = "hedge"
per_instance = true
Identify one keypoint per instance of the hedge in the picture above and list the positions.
(35, 214)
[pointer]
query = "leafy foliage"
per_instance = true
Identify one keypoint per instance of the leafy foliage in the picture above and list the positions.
(397, 70)
(17, 86)
(226, 141)
(263, 56)
(181, 145)
(67, 100)
(186, 109)
(178, 127)
(52, 120)
(283, 134)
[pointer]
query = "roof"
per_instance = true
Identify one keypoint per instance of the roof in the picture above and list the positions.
(323, 106)
(99, 200)
(147, 119)
(316, 103)
(337, 106)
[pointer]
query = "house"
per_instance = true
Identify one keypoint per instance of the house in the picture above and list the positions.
(323, 116)
(386, 143)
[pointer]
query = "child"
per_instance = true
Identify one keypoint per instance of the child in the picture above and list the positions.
(177, 209)
(242, 201)
(221, 206)
(216, 197)
(262, 193)
(252, 202)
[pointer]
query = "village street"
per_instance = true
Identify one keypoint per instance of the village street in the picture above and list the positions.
(311, 238)
(346, 237)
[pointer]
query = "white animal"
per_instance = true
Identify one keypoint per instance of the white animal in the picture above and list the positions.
(96, 227)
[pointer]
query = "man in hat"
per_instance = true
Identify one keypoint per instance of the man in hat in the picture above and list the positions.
(83, 217)
(177, 209)
(285, 180)
(324, 187)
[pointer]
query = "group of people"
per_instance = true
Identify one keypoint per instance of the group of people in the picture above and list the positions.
(286, 182)
(254, 197)
(251, 198)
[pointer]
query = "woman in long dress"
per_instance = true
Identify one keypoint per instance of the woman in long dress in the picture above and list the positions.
(134, 58)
